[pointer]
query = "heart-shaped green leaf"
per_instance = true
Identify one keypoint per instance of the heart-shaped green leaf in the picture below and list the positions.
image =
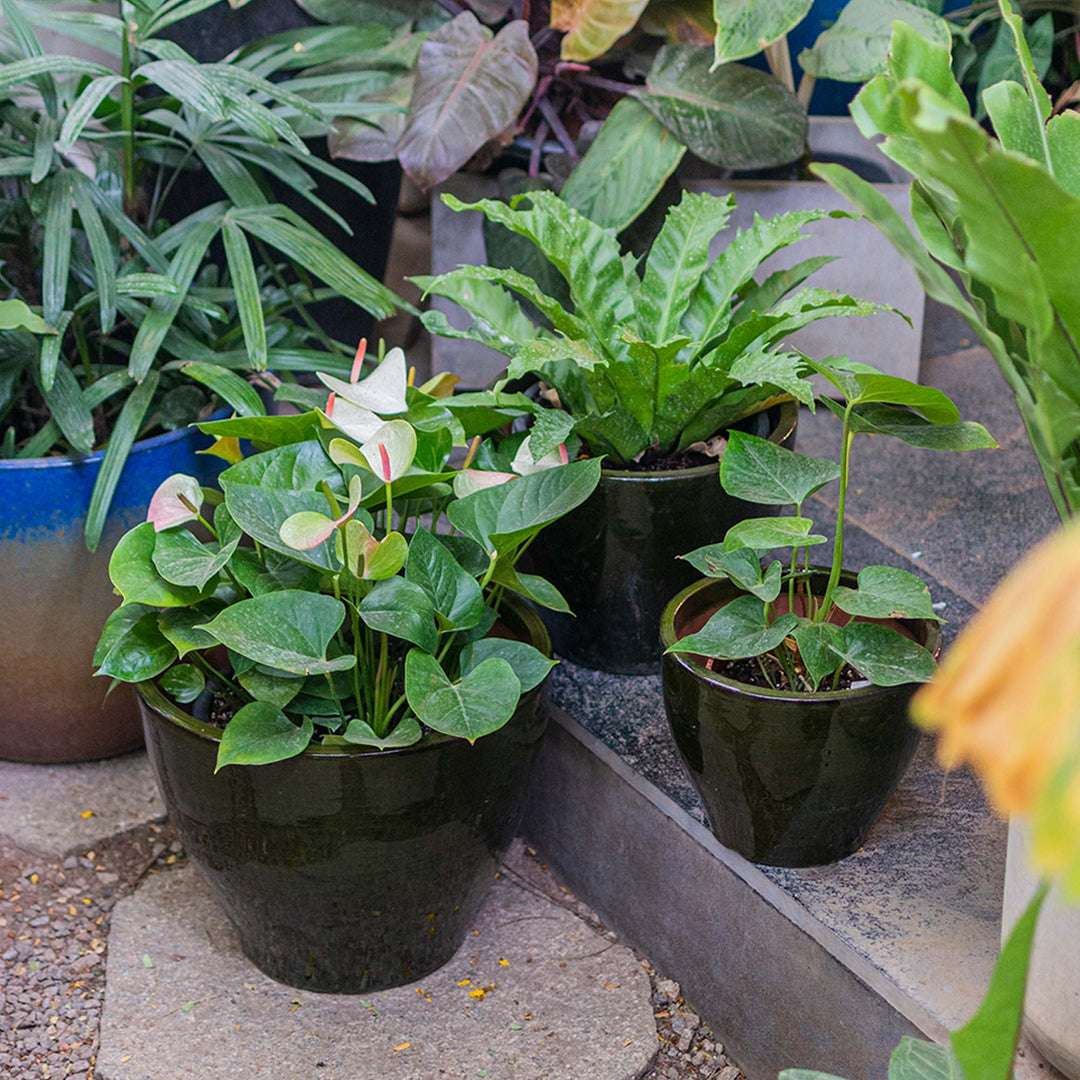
(482, 702)
(137, 648)
(745, 27)
(279, 689)
(885, 592)
(260, 733)
(182, 560)
(178, 626)
(764, 534)
(909, 427)
(533, 587)
(530, 665)
(403, 610)
(406, 732)
(454, 593)
(759, 471)
(928, 401)
(883, 656)
(738, 630)
(132, 571)
(289, 630)
(184, 682)
(502, 517)
(742, 566)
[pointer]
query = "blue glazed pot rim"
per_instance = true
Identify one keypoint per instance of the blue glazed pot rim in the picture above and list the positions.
(785, 423)
(155, 700)
(765, 693)
(60, 461)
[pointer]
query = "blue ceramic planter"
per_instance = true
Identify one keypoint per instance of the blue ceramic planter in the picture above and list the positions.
(57, 595)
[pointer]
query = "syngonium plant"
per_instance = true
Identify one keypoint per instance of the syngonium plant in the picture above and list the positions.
(351, 577)
(994, 215)
(658, 358)
(800, 640)
(127, 324)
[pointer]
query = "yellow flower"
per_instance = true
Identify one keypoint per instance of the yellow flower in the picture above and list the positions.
(1007, 700)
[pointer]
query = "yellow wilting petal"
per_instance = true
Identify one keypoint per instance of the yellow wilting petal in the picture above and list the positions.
(227, 448)
(1007, 699)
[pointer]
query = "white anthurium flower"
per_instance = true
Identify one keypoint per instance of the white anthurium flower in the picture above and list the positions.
(382, 392)
(469, 481)
(168, 509)
(390, 450)
(356, 421)
(523, 463)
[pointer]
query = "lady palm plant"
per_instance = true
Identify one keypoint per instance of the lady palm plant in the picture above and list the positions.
(133, 308)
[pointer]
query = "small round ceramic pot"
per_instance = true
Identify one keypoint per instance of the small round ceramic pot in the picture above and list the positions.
(349, 869)
(616, 557)
(787, 779)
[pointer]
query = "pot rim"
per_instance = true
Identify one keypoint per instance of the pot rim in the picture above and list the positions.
(59, 461)
(156, 701)
(668, 637)
(782, 429)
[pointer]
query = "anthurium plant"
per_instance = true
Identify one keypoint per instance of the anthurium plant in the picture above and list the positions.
(342, 584)
(800, 640)
(655, 359)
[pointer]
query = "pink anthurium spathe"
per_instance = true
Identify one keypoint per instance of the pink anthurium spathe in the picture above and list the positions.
(469, 481)
(523, 463)
(176, 500)
(383, 391)
(308, 529)
(390, 450)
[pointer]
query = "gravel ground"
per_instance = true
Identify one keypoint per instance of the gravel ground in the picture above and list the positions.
(54, 925)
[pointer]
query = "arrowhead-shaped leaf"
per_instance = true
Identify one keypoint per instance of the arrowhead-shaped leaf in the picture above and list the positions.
(738, 630)
(181, 559)
(259, 734)
(406, 732)
(745, 27)
(289, 630)
(815, 642)
(883, 656)
(454, 593)
(885, 592)
(764, 534)
(133, 573)
(482, 702)
(761, 472)
(909, 427)
(593, 26)
(184, 682)
(742, 566)
(136, 648)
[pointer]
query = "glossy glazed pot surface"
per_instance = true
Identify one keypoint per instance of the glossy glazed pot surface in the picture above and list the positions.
(787, 779)
(57, 596)
(616, 557)
(348, 869)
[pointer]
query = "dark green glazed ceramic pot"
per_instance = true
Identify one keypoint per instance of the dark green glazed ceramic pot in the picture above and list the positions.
(616, 557)
(787, 779)
(348, 869)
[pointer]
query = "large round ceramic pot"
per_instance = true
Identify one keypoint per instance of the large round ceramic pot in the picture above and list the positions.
(1052, 998)
(616, 557)
(787, 779)
(348, 869)
(57, 596)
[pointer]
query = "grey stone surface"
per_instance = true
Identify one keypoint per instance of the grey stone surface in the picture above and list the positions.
(580, 1008)
(42, 807)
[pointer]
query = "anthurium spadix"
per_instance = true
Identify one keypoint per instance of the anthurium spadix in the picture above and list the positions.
(176, 501)
(308, 528)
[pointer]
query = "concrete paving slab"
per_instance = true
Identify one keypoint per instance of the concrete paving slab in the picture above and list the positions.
(54, 808)
(566, 1002)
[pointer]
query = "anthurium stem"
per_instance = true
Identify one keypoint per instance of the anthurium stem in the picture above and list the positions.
(838, 541)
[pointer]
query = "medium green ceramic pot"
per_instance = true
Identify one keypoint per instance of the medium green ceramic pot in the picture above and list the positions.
(616, 557)
(347, 869)
(787, 779)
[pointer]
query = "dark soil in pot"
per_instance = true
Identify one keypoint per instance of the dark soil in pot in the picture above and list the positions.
(616, 557)
(347, 870)
(787, 778)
